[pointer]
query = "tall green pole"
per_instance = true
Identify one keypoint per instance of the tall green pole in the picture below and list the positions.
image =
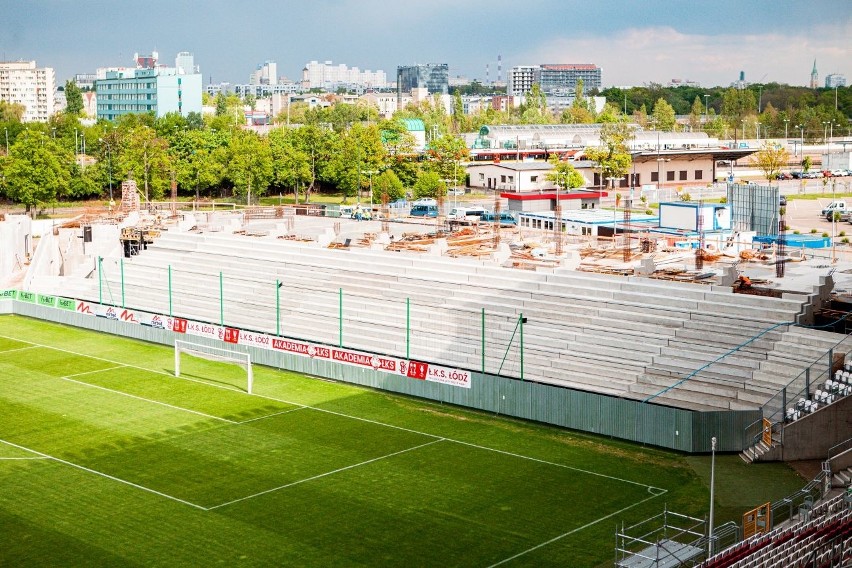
(277, 308)
(522, 346)
(482, 326)
(170, 291)
(123, 304)
(408, 328)
(100, 280)
(221, 302)
(340, 317)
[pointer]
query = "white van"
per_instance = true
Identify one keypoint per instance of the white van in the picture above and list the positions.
(834, 206)
(462, 213)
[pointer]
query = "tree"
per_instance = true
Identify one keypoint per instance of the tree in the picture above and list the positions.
(250, 164)
(291, 164)
(564, 175)
(11, 112)
(664, 115)
(428, 184)
(613, 155)
(387, 183)
(221, 104)
(446, 152)
(35, 170)
(770, 159)
(695, 114)
(145, 156)
(73, 99)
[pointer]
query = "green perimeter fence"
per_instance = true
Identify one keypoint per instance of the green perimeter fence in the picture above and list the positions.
(636, 421)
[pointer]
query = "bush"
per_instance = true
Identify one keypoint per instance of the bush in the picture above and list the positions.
(841, 234)
(649, 211)
(845, 240)
(825, 235)
(797, 232)
(813, 231)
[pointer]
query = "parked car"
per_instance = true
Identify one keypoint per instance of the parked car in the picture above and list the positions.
(798, 174)
(831, 208)
(425, 201)
(783, 175)
(782, 200)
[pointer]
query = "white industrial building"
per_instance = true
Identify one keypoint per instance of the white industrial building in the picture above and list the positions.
(21, 82)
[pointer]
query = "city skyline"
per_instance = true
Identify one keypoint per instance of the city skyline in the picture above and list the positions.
(634, 43)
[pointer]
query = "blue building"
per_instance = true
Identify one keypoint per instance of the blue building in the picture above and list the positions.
(160, 90)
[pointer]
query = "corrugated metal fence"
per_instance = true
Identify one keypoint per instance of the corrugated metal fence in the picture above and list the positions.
(656, 425)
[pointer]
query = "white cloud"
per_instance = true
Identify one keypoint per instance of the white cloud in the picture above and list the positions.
(636, 56)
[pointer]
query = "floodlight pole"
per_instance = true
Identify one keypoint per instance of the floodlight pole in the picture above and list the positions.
(712, 483)
(278, 308)
(100, 281)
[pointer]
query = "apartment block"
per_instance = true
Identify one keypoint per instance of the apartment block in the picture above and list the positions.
(21, 82)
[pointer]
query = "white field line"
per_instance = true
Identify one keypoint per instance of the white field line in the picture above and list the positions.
(288, 411)
(19, 349)
(92, 372)
(341, 414)
(578, 529)
(321, 475)
(142, 398)
(105, 475)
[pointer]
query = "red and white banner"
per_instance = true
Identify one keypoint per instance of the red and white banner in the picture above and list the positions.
(412, 369)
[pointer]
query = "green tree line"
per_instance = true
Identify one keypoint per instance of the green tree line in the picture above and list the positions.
(343, 149)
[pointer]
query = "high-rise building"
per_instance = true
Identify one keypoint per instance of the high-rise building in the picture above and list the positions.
(553, 78)
(833, 80)
(521, 79)
(434, 77)
(328, 76)
(185, 63)
(21, 82)
(161, 91)
(814, 77)
(563, 78)
(265, 74)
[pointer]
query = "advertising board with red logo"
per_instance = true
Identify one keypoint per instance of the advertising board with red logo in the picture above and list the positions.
(417, 370)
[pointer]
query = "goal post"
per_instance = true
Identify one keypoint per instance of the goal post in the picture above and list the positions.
(201, 351)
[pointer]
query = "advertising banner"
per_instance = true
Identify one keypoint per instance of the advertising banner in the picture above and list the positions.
(417, 370)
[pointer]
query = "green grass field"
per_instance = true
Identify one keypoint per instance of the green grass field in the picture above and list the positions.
(107, 459)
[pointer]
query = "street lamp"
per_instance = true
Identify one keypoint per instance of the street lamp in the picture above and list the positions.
(370, 173)
(786, 120)
(824, 131)
(6, 130)
(706, 107)
(109, 160)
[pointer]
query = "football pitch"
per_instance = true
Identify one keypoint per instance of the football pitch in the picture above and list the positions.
(108, 459)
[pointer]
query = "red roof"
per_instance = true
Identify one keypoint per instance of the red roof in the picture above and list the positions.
(533, 196)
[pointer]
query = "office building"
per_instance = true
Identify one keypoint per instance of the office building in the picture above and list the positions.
(159, 90)
(265, 74)
(185, 64)
(21, 82)
(434, 77)
(834, 80)
(553, 79)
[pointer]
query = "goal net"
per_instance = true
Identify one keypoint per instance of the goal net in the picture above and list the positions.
(214, 354)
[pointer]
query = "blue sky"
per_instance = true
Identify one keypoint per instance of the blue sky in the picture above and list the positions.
(635, 42)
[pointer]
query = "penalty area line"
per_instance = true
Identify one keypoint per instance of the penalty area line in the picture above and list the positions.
(102, 474)
(321, 475)
(578, 529)
(142, 398)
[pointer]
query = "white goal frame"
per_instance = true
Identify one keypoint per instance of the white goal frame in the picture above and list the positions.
(240, 358)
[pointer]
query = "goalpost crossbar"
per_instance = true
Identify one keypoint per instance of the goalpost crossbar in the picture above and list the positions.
(202, 351)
